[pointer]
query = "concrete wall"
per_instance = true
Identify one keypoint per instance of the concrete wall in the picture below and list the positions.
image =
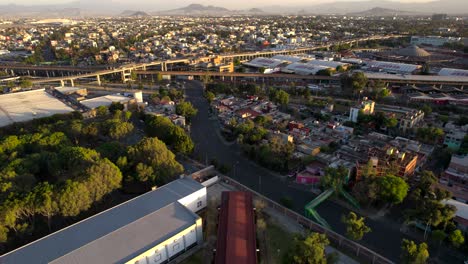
(196, 201)
(210, 181)
(172, 246)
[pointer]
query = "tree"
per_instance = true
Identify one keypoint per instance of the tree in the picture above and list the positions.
(438, 236)
(118, 129)
(325, 72)
(391, 122)
(426, 109)
(355, 226)
(392, 189)
(101, 111)
(144, 173)
(133, 75)
(281, 97)
(46, 201)
(181, 142)
(26, 83)
(456, 238)
(429, 134)
(384, 92)
(159, 77)
(424, 203)
(309, 250)
(116, 106)
(334, 178)
(173, 135)
(262, 120)
(358, 81)
(103, 178)
(154, 153)
(186, 109)
(210, 96)
(413, 253)
(73, 198)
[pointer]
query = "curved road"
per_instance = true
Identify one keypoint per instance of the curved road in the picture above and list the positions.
(385, 237)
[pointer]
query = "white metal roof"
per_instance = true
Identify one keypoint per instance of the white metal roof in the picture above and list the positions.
(25, 106)
(117, 234)
(304, 68)
(105, 100)
(453, 72)
(409, 77)
(324, 63)
(67, 89)
(288, 58)
(264, 62)
(393, 66)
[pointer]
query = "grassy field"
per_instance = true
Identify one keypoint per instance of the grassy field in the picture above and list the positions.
(196, 258)
(278, 242)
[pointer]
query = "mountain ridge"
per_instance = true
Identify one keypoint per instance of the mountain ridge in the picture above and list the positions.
(82, 8)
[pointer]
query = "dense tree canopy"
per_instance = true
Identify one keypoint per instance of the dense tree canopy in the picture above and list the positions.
(48, 171)
(429, 134)
(424, 202)
(169, 133)
(392, 189)
(359, 81)
(334, 178)
(153, 153)
(310, 250)
(186, 109)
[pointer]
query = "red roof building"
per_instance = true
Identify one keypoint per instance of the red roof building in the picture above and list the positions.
(236, 230)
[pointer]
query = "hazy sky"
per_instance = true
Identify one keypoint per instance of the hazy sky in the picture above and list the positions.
(239, 4)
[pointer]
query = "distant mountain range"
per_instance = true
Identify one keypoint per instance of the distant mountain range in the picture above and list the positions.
(196, 9)
(382, 12)
(344, 7)
(82, 8)
(132, 13)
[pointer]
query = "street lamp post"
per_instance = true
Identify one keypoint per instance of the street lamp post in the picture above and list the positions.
(235, 169)
(259, 183)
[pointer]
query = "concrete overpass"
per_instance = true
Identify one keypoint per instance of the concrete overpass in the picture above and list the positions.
(50, 71)
(142, 68)
(252, 55)
(387, 78)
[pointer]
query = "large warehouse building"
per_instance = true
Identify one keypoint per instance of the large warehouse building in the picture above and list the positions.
(392, 67)
(303, 68)
(152, 228)
(25, 106)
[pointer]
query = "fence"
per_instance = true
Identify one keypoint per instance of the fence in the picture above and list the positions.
(341, 242)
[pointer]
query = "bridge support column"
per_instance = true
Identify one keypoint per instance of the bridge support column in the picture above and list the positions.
(62, 83)
(126, 75)
(72, 82)
(98, 78)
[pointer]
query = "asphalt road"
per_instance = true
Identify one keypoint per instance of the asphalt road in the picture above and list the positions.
(385, 237)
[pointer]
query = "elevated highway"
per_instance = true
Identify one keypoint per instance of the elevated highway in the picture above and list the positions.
(163, 63)
(125, 71)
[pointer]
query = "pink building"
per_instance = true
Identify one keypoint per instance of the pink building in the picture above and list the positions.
(312, 174)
